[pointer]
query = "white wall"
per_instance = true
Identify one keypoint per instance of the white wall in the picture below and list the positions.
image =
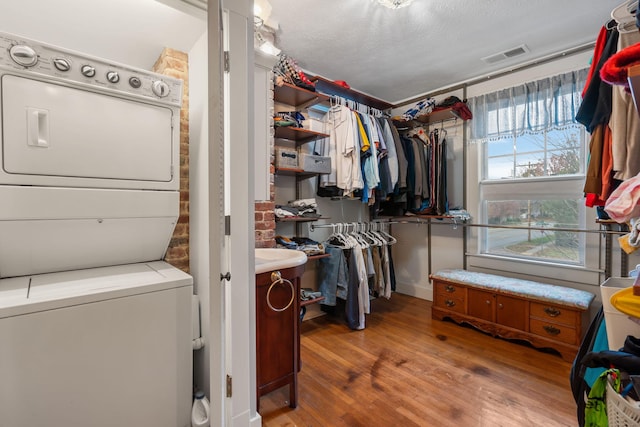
(199, 202)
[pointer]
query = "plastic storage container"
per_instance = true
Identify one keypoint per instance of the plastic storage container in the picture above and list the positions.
(618, 324)
(200, 411)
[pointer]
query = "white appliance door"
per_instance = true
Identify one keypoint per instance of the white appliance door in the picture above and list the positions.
(119, 362)
(50, 130)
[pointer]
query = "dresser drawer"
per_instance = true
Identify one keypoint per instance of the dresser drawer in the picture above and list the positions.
(453, 291)
(553, 331)
(555, 314)
(450, 303)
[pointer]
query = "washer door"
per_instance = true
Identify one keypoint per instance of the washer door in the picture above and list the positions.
(57, 135)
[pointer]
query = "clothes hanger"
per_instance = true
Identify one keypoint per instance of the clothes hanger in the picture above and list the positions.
(365, 235)
(338, 238)
(390, 238)
(358, 236)
(373, 234)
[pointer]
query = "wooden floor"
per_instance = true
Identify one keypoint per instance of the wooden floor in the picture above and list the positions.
(406, 369)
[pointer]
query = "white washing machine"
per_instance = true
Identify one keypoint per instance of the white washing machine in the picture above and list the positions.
(94, 328)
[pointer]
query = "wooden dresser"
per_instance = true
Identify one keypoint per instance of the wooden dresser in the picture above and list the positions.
(512, 312)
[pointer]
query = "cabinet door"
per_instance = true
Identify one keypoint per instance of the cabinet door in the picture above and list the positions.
(277, 317)
(511, 312)
(481, 304)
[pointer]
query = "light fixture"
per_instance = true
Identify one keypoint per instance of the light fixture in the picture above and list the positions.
(262, 9)
(265, 45)
(395, 4)
(264, 29)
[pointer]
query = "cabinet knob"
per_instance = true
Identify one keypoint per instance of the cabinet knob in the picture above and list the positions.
(552, 312)
(488, 302)
(500, 306)
(449, 303)
(551, 330)
(449, 288)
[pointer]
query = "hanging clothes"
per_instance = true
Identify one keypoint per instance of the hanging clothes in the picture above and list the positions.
(354, 272)
(625, 123)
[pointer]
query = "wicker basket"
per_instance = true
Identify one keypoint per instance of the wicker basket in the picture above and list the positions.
(620, 412)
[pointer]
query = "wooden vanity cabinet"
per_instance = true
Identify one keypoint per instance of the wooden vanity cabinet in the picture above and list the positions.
(278, 332)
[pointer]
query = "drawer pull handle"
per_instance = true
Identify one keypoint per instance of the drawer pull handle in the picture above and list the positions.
(449, 288)
(277, 280)
(449, 303)
(551, 330)
(552, 312)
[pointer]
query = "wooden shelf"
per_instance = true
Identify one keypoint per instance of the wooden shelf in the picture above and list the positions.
(299, 173)
(299, 135)
(296, 96)
(297, 219)
(306, 302)
(438, 116)
(314, 257)
(330, 88)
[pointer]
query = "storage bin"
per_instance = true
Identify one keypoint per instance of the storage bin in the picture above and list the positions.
(313, 124)
(313, 163)
(286, 158)
(620, 412)
(618, 324)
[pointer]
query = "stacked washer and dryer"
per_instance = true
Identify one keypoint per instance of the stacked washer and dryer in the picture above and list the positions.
(95, 330)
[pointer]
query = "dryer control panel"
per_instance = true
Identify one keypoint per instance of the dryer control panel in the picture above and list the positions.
(25, 56)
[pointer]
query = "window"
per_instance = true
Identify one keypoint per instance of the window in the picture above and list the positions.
(532, 171)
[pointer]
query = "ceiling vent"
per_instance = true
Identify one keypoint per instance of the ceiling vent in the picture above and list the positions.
(507, 54)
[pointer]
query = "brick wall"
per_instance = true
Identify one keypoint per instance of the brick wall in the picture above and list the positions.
(175, 64)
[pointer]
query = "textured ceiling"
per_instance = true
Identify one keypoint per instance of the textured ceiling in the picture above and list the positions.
(431, 44)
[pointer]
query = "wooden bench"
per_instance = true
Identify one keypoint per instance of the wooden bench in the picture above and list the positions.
(544, 315)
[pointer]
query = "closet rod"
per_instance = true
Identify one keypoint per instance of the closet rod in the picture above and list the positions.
(346, 101)
(312, 227)
(514, 227)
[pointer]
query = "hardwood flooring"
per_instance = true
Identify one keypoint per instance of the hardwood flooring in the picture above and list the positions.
(406, 369)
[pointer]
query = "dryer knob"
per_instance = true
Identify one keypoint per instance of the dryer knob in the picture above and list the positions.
(62, 64)
(160, 88)
(113, 76)
(135, 82)
(23, 55)
(88, 70)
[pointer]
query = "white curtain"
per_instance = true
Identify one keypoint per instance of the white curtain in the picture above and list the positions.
(533, 107)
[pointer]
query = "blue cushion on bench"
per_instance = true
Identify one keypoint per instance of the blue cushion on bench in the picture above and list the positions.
(525, 288)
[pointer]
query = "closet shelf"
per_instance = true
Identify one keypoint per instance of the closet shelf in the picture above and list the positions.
(299, 173)
(296, 96)
(438, 116)
(330, 88)
(299, 135)
(298, 219)
(314, 257)
(306, 302)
